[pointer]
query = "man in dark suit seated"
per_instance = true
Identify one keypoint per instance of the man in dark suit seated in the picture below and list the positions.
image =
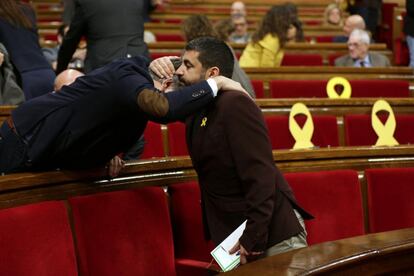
(359, 55)
(95, 118)
(231, 152)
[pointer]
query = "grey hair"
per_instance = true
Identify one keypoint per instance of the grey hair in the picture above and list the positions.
(362, 36)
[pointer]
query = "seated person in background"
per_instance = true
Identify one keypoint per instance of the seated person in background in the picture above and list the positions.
(10, 91)
(224, 28)
(266, 47)
(196, 26)
(333, 16)
(51, 54)
(232, 156)
(352, 22)
(66, 78)
(240, 34)
(359, 55)
(295, 23)
(238, 8)
(98, 116)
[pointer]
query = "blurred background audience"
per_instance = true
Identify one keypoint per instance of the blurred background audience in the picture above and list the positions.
(18, 33)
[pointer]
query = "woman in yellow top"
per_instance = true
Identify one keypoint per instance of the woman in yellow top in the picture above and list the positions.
(266, 47)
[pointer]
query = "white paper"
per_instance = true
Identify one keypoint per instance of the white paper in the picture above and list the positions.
(221, 253)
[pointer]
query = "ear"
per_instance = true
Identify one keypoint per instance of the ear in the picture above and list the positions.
(212, 72)
(166, 84)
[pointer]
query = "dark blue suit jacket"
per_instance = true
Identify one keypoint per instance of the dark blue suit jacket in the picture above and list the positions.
(100, 115)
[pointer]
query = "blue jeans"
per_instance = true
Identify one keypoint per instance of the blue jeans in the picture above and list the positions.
(410, 43)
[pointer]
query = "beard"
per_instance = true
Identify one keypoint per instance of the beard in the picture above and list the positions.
(178, 82)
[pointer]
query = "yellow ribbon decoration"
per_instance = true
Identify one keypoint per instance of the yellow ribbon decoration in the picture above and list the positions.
(303, 136)
(385, 131)
(204, 122)
(330, 88)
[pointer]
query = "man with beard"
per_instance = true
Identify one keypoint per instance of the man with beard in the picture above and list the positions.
(231, 153)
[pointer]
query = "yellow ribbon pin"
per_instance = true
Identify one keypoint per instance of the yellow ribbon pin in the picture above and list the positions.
(204, 122)
(385, 131)
(330, 88)
(303, 136)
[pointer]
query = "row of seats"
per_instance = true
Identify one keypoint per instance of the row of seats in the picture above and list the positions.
(370, 88)
(135, 232)
(358, 132)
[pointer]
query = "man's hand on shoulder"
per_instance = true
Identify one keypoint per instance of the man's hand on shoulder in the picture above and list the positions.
(163, 66)
(226, 84)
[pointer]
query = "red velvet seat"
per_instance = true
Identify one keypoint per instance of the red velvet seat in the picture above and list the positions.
(324, 38)
(176, 139)
(385, 30)
(189, 240)
(302, 60)
(325, 131)
(401, 53)
(258, 88)
(169, 37)
(390, 198)
(317, 88)
(124, 233)
(297, 88)
(332, 57)
(334, 199)
(380, 88)
(36, 239)
(359, 131)
(154, 146)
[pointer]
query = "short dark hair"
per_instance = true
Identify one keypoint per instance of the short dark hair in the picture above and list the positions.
(213, 52)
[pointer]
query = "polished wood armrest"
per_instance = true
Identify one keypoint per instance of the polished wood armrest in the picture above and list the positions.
(373, 254)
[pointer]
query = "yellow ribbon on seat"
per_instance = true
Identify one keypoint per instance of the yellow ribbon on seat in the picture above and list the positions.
(330, 88)
(385, 131)
(302, 136)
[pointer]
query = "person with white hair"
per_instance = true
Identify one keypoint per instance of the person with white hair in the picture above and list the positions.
(359, 55)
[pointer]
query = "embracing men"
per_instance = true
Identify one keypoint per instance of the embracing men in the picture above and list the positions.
(231, 152)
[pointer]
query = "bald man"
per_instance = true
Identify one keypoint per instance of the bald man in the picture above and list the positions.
(66, 77)
(351, 23)
(238, 9)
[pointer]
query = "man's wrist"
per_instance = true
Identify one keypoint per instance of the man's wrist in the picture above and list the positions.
(213, 85)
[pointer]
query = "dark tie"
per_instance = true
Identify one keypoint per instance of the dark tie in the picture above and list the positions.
(362, 63)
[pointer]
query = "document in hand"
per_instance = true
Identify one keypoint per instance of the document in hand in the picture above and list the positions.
(221, 253)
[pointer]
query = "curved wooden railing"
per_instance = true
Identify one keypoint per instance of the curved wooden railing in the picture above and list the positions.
(22, 188)
(374, 254)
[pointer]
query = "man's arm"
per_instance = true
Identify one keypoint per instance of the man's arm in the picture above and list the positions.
(71, 39)
(177, 105)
